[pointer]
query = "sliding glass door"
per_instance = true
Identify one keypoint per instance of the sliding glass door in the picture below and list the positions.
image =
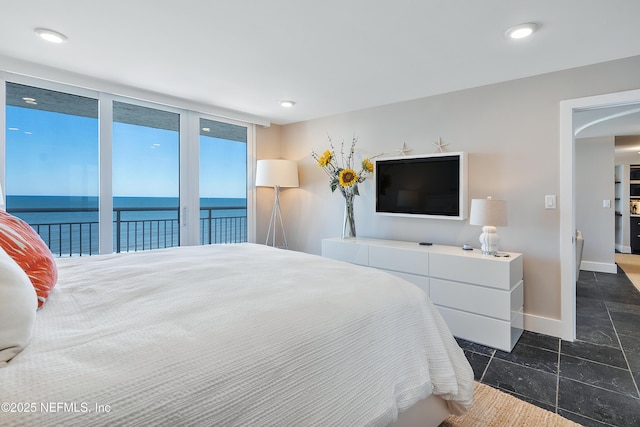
(223, 182)
(98, 173)
(146, 172)
(52, 166)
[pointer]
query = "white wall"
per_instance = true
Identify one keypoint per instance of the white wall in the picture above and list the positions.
(268, 147)
(594, 179)
(511, 134)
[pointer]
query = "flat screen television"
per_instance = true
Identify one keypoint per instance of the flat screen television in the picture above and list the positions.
(431, 186)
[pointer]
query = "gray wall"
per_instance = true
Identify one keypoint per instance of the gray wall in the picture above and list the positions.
(509, 130)
(595, 183)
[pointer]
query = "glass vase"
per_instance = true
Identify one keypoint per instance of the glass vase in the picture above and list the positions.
(349, 226)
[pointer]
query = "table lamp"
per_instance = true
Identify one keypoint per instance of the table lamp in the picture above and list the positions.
(489, 213)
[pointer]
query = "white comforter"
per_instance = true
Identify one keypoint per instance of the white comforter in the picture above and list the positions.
(230, 335)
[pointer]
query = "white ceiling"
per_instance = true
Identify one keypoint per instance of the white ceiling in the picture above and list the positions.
(330, 56)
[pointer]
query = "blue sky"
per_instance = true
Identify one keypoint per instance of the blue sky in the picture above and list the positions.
(57, 154)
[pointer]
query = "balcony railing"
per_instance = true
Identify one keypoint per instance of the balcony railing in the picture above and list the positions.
(69, 238)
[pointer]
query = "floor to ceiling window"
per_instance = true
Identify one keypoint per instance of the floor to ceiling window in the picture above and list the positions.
(146, 145)
(95, 173)
(52, 166)
(223, 182)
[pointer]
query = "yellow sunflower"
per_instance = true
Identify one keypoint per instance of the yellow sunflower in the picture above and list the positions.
(367, 165)
(325, 159)
(348, 177)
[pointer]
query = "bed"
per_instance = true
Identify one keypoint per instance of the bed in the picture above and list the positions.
(233, 335)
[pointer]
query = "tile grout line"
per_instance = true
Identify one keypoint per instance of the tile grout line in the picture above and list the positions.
(587, 418)
(596, 362)
(511, 362)
(599, 388)
(487, 367)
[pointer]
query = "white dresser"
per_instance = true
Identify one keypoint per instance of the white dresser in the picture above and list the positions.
(480, 296)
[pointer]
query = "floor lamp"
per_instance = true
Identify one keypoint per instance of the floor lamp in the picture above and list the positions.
(276, 173)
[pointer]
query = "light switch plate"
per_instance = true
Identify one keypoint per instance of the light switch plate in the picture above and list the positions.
(550, 201)
(606, 203)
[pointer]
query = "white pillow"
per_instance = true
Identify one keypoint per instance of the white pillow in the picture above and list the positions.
(18, 305)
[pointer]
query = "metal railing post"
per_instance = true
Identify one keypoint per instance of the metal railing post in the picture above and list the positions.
(117, 230)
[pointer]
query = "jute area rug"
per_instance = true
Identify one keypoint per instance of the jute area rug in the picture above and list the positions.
(630, 264)
(493, 408)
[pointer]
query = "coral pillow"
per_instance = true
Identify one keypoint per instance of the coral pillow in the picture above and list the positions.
(29, 251)
(18, 306)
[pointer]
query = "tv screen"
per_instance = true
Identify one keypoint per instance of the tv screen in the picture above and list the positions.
(426, 185)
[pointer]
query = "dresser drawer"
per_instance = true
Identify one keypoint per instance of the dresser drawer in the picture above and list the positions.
(475, 299)
(412, 261)
(495, 333)
(493, 272)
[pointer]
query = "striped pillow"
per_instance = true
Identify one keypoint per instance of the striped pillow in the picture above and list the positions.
(29, 251)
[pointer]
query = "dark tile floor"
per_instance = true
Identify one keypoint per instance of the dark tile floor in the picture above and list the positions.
(594, 380)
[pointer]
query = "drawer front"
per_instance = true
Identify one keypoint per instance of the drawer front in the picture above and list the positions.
(474, 299)
(348, 251)
(482, 330)
(397, 259)
(420, 281)
(499, 273)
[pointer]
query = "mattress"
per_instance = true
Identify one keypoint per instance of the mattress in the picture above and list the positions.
(230, 335)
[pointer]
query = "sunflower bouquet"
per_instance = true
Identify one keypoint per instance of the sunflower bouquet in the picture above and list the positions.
(345, 177)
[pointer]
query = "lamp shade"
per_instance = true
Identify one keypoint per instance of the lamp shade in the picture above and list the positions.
(276, 173)
(488, 212)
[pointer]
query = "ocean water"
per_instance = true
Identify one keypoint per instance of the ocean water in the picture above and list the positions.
(69, 225)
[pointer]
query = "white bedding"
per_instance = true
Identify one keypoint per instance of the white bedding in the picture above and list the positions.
(230, 335)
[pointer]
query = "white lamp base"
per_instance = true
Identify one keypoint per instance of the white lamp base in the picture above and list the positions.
(489, 240)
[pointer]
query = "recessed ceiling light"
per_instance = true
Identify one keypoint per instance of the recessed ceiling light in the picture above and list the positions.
(50, 35)
(521, 31)
(287, 104)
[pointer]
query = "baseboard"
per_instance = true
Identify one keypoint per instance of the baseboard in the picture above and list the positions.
(544, 325)
(623, 249)
(600, 267)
